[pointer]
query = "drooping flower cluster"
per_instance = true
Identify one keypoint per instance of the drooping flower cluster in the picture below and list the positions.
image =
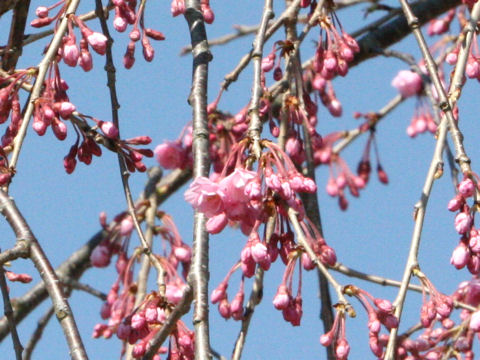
(467, 253)
(137, 325)
(441, 335)
(127, 13)
(53, 108)
(379, 311)
(252, 198)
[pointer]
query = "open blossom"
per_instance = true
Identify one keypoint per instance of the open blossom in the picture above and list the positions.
(205, 196)
(407, 82)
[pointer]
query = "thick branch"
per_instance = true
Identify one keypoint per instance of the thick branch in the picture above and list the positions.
(199, 275)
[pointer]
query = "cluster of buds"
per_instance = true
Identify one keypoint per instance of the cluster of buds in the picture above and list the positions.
(335, 51)
(337, 334)
(380, 312)
(436, 306)
(137, 325)
(71, 53)
(467, 253)
(10, 108)
(53, 107)
(178, 8)
(435, 341)
(422, 121)
(127, 13)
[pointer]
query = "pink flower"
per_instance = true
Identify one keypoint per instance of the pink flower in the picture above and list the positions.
(205, 196)
(233, 186)
(407, 82)
(170, 155)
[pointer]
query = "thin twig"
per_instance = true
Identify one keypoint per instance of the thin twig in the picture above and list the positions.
(110, 70)
(77, 285)
(37, 334)
(7, 310)
(46, 272)
(255, 126)
(233, 75)
(304, 243)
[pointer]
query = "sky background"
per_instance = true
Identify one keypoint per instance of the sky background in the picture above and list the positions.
(372, 236)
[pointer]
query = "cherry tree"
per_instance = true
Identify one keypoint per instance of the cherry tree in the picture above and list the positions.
(263, 160)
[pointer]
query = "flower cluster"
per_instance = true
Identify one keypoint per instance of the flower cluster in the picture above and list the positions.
(252, 198)
(137, 325)
(127, 13)
(467, 253)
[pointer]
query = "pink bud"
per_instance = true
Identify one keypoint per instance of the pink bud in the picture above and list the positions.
(41, 12)
(456, 203)
(123, 331)
(463, 222)
(98, 42)
(384, 305)
(282, 298)
(183, 253)
(224, 308)
(219, 293)
(342, 350)
(120, 23)
(70, 53)
(466, 187)
(151, 314)
(109, 129)
(217, 223)
(139, 350)
(460, 256)
(59, 129)
(64, 108)
(126, 226)
(407, 82)
(85, 61)
(100, 256)
(326, 339)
